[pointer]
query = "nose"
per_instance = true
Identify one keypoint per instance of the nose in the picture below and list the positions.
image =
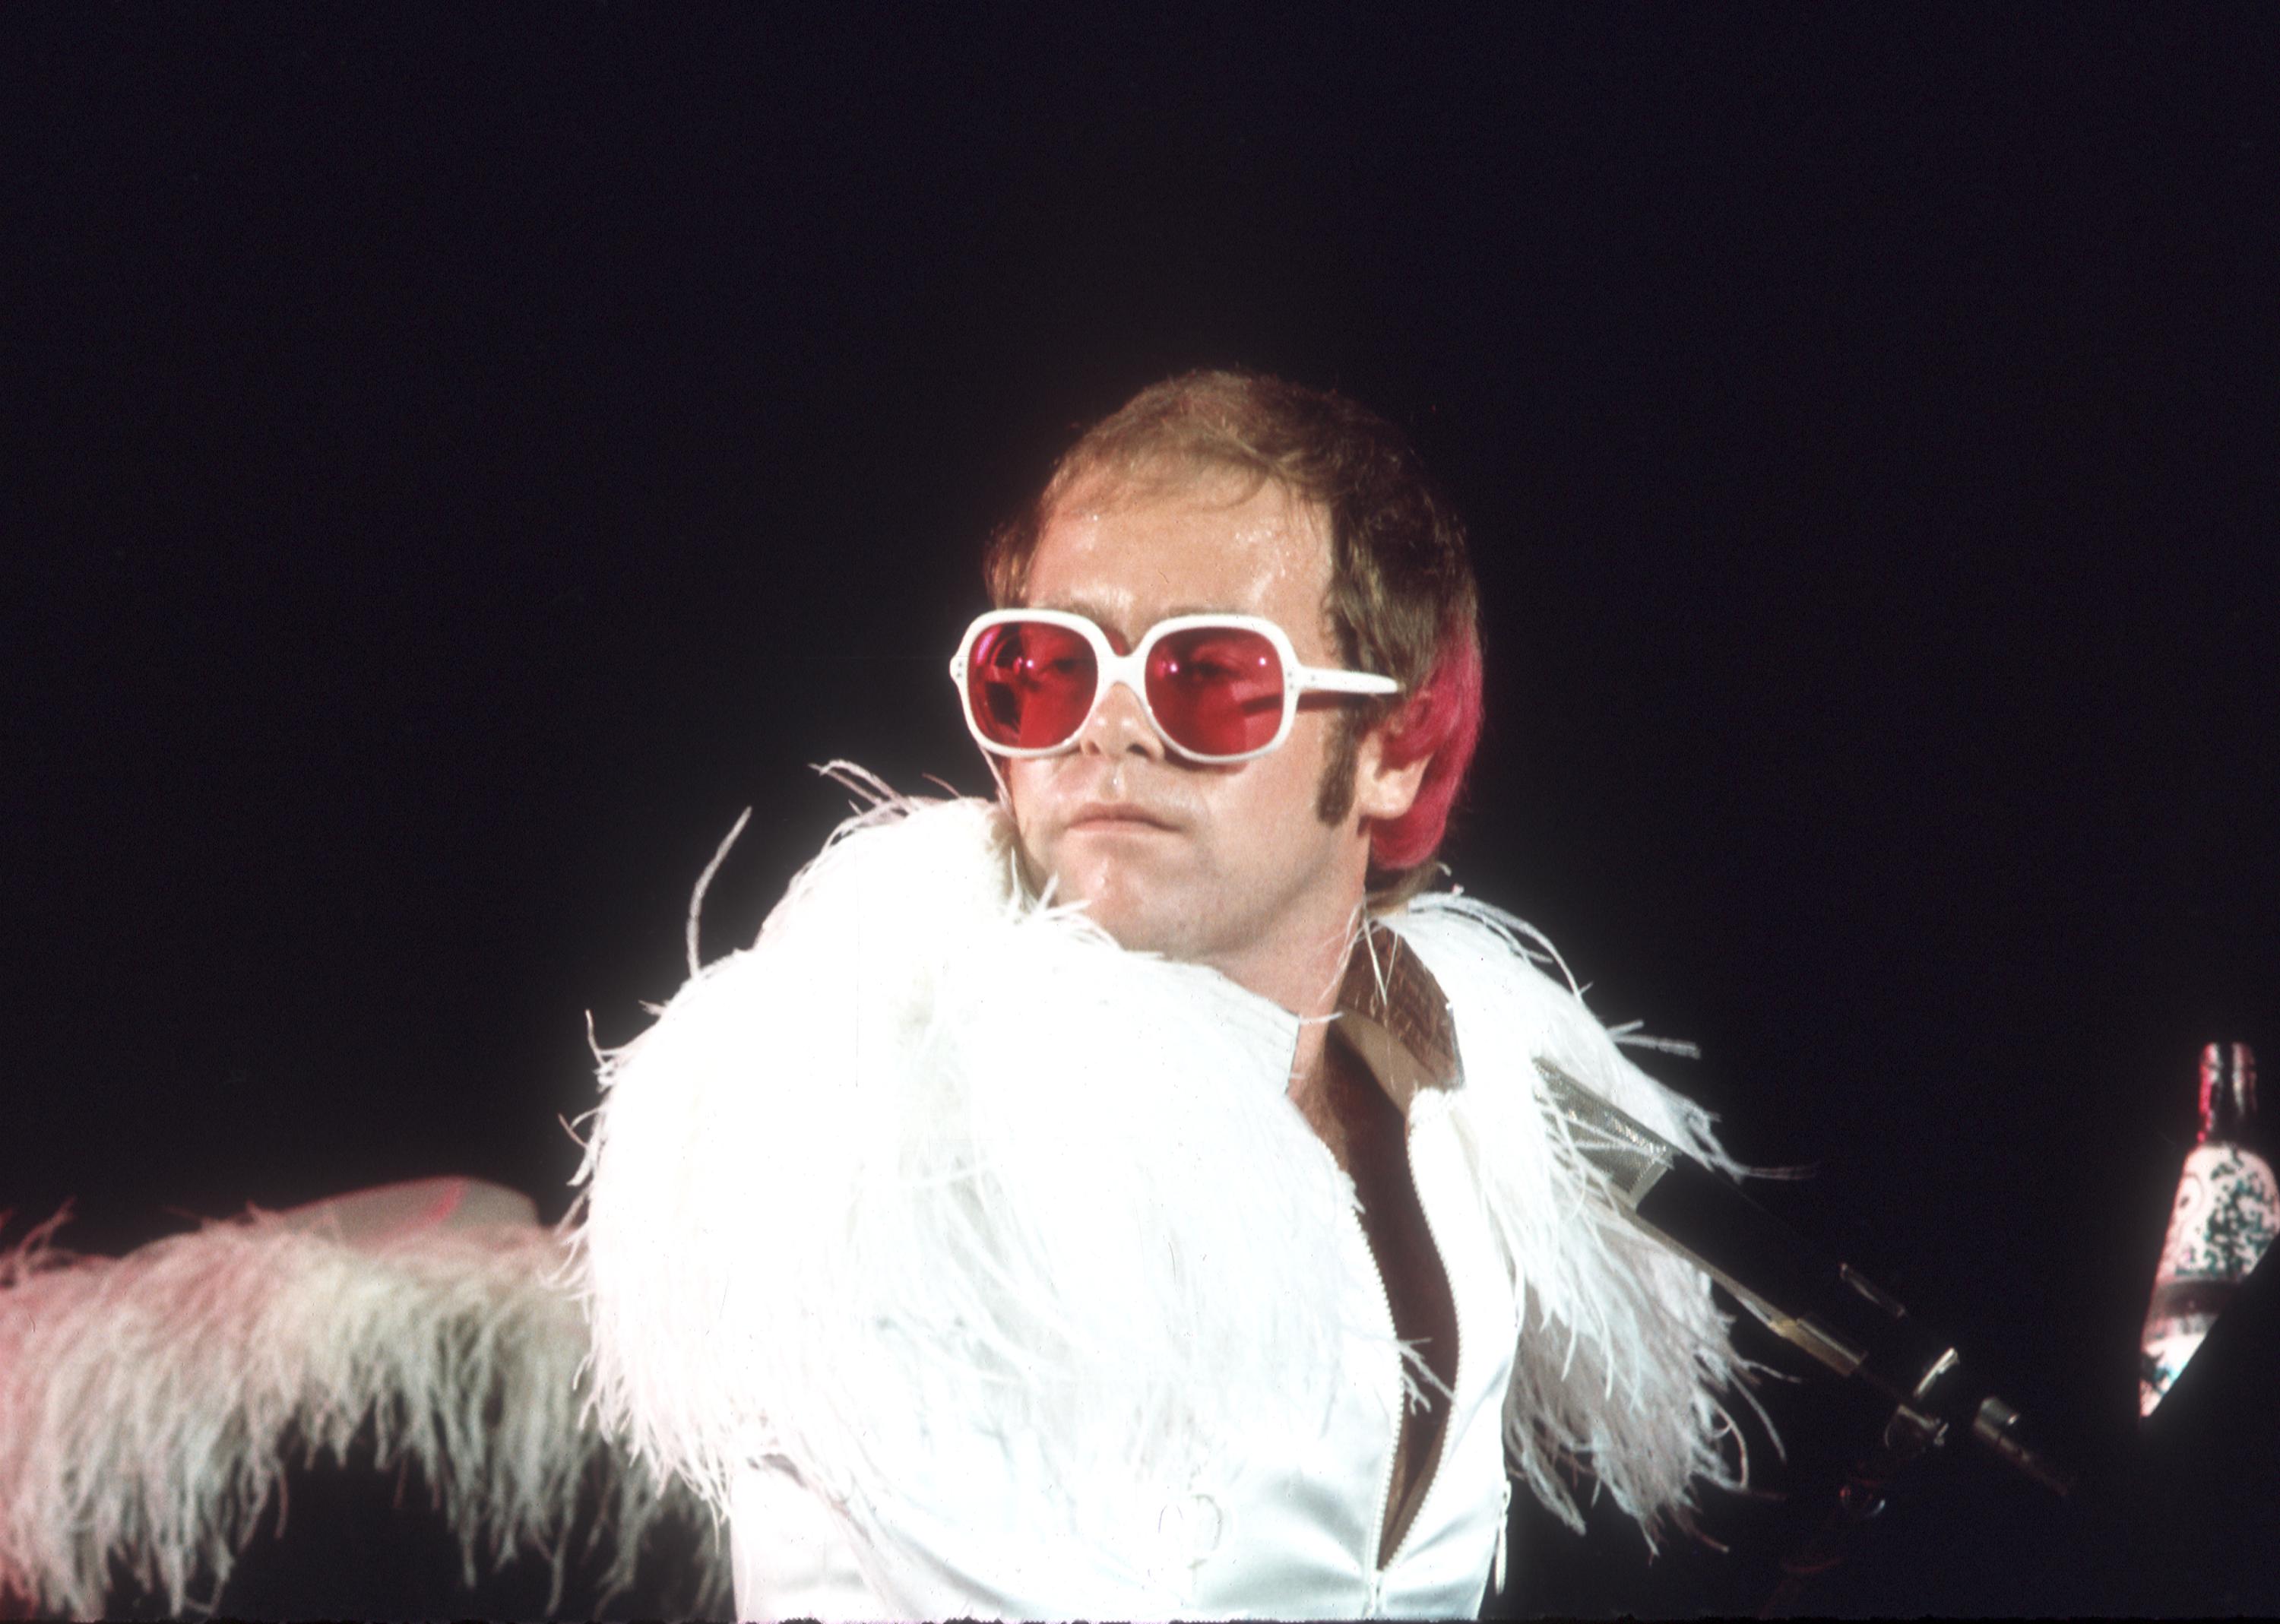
(1119, 726)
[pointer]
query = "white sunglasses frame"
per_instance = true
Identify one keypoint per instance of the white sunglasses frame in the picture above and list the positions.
(1132, 670)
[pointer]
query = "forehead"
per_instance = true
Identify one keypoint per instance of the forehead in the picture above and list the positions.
(1129, 556)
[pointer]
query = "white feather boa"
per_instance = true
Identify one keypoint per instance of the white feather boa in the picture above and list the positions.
(928, 1149)
(150, 1403)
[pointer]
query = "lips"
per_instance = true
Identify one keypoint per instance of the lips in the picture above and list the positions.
(1112, 815)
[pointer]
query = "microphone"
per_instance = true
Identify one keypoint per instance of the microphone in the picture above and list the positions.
(1809, 1299)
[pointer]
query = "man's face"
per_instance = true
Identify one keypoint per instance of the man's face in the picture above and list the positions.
(1228, 865)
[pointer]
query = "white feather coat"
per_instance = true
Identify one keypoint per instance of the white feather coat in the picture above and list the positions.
(926, 1155)
(930, 1155)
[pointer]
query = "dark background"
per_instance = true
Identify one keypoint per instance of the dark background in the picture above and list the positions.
(456, 459)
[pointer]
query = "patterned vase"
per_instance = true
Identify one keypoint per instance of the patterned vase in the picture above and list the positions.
(2227, 1210)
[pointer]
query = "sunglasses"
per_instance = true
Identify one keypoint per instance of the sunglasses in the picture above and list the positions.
(1217, 688)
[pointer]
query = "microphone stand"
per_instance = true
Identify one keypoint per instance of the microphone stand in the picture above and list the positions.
(1813, 1301)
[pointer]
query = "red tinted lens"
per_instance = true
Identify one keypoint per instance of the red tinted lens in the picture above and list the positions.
(1029, 684)
(1216, 691)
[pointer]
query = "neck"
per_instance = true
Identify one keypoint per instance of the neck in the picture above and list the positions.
(1302, 971)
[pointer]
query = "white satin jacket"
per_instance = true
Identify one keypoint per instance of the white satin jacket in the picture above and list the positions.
(1295, 1534)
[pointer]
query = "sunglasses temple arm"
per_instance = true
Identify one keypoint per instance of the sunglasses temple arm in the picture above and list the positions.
(1313, 679)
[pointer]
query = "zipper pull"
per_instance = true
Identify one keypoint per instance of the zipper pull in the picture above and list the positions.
(1504, 1525)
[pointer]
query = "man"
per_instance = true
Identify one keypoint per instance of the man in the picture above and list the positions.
(1134, 1197)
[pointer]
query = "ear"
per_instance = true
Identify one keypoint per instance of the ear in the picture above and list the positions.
(1382, 791)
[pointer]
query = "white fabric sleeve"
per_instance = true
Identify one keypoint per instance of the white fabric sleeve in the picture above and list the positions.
(793, 1554)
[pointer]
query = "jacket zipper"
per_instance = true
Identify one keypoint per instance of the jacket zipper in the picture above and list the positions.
(1503, 1528)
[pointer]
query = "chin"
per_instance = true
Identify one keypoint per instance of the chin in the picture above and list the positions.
(1142, 930)
(1142, 916)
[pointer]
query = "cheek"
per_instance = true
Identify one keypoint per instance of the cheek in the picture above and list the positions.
(1295, 770)
(1027, 783)
(1262, 818)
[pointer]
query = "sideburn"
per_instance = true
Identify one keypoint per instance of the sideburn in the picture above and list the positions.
(1334, 795)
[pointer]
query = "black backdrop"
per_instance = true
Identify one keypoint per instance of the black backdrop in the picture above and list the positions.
(457, 459)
